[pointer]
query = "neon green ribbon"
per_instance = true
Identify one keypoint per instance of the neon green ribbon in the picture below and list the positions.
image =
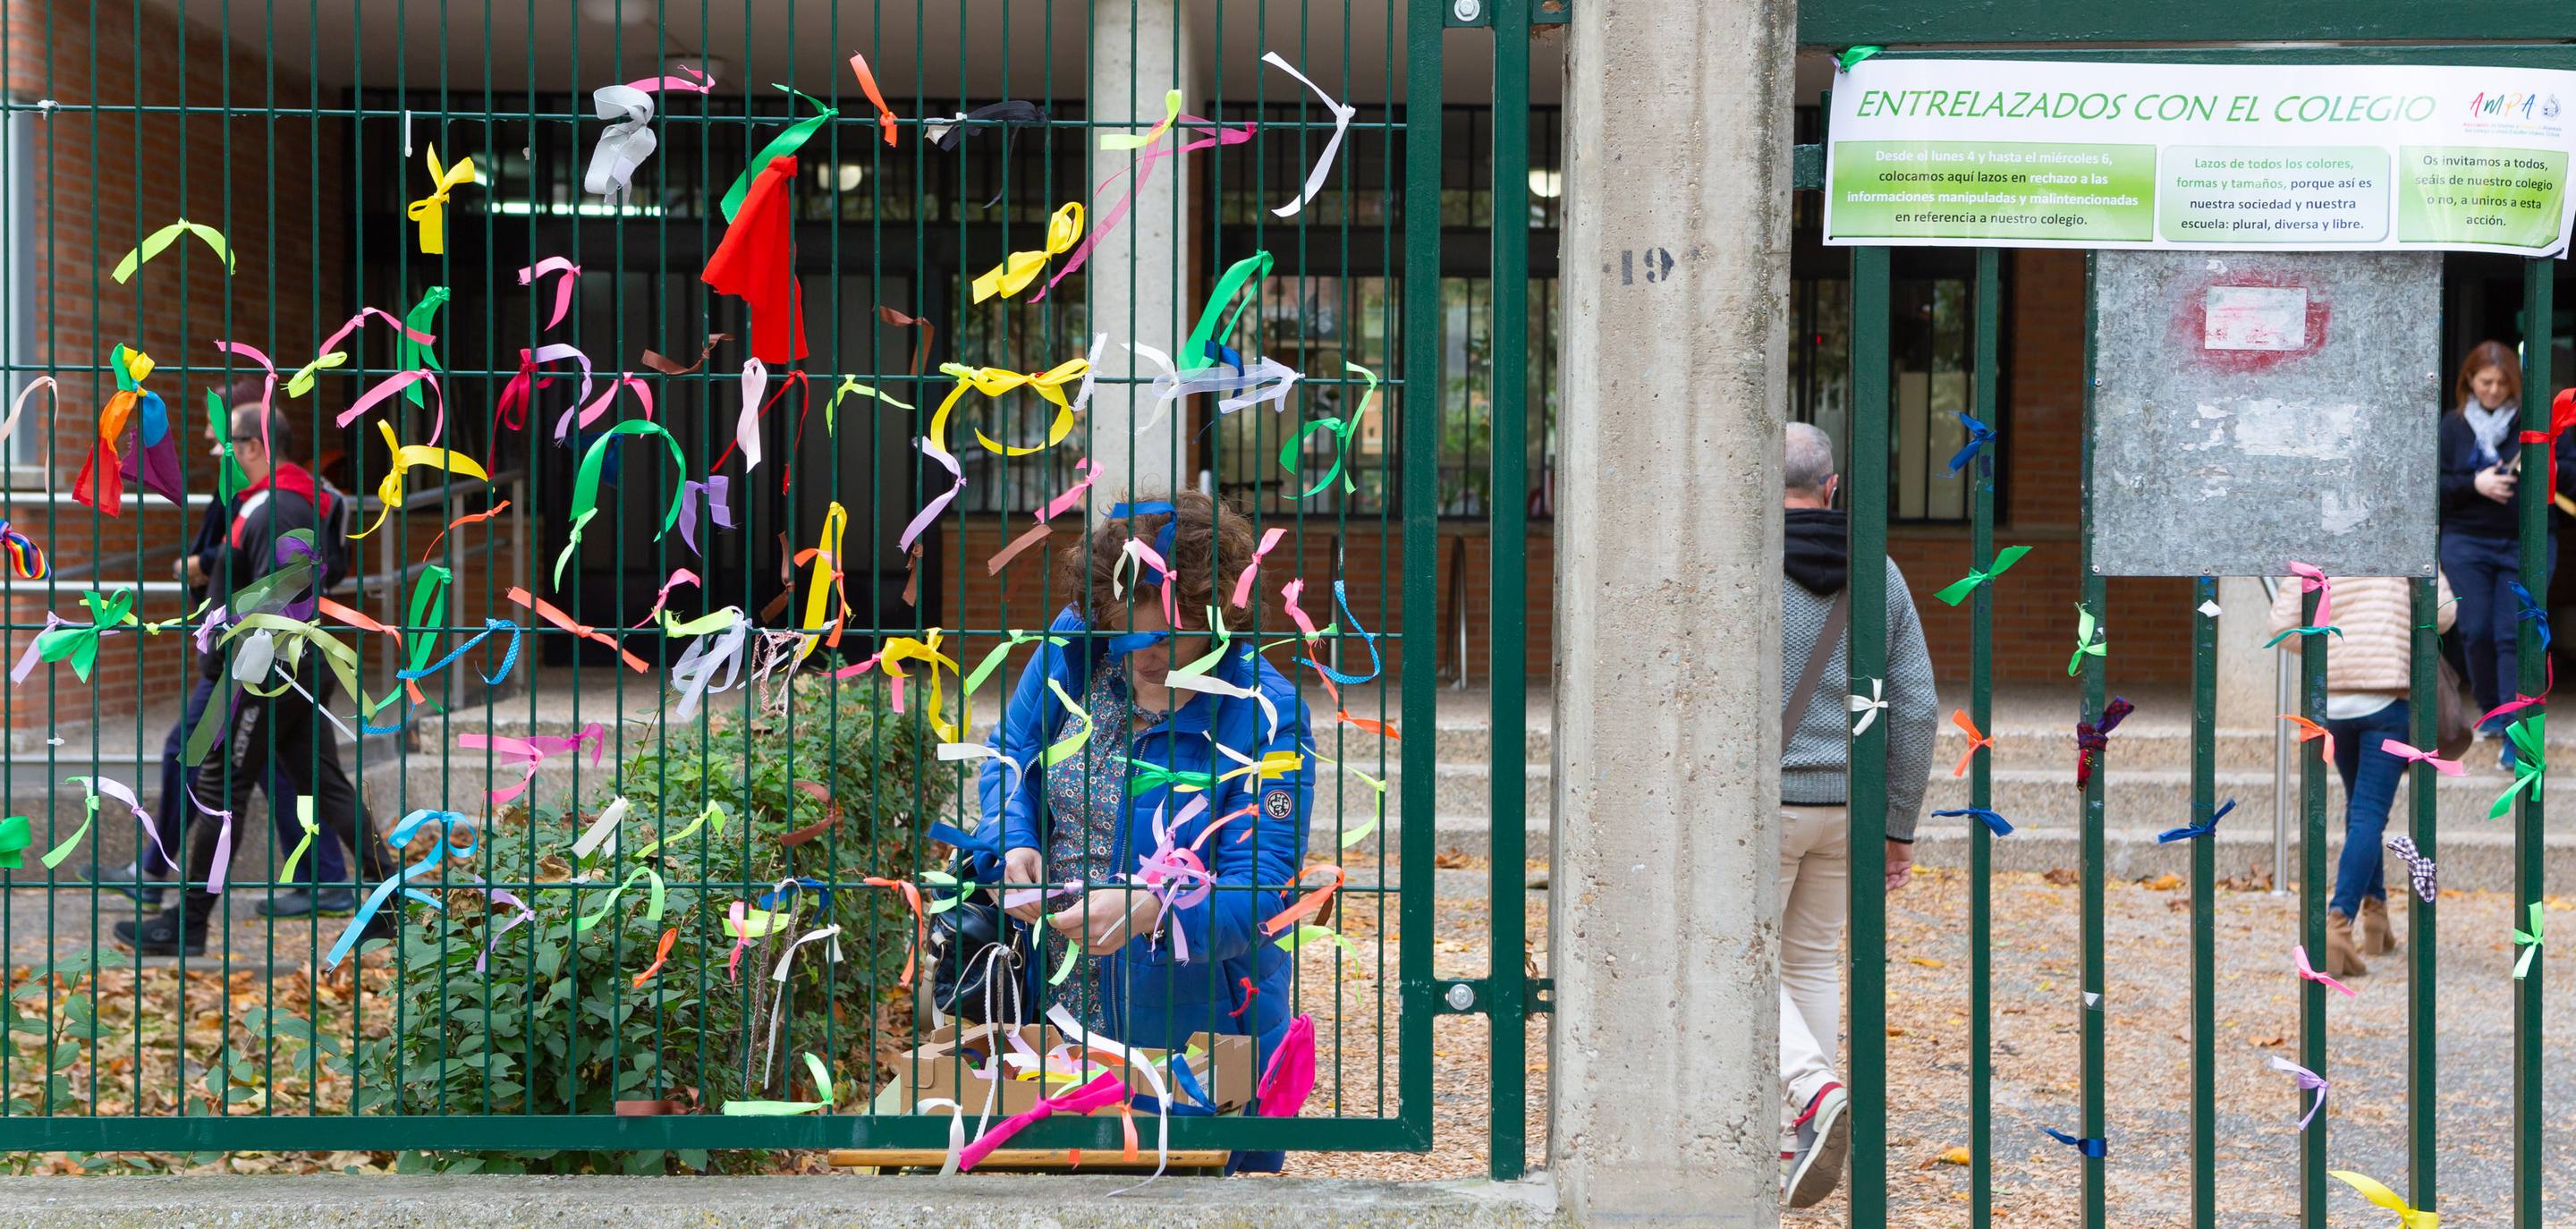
(585, 485)
(410, 355)
(160, 240)
(713, 816)
(1965, 585)
(1310, 933)
(89, 816)
(984, 670)
(1064, 747)
(80, 644)
(1129, 140)
(15, 837)
(2088, 639)
(2528, 942)
(652, 909)
(1342, 433)
(785, 143)
(2529, 762)
(773, 1109)
(1150, 776)
(851, 384)
(303, 816)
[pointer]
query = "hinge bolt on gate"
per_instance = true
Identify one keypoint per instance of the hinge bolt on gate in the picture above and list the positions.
(1467, 10)
(1461, 996)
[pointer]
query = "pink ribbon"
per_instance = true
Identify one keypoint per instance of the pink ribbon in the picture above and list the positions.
(1252, 570)
(1104, 1089)
(703, 83)
(570, 273)
(1138, 550)
(1064, 503)
(590, 414)
(394, 384)
(1144, 170)
(679, 577)
(533, 751)
(332, 342)
(268, 391)
(2448, 768)
(216, 876)
(2311, 580)
(2309, 972)
(1291, 1073)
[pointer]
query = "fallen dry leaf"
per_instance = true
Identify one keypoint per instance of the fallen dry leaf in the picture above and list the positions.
(1928, 962)
(1954, 1156)
(2061, 876)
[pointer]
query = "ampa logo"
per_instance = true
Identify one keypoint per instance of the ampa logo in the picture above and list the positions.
(2516, 104)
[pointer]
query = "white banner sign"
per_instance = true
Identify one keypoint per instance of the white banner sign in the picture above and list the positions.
(2004, 153)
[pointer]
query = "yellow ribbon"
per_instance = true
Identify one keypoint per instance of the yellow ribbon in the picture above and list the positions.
(1018, 269)
(1171, 112)
(2371, 1190)
(993, 382)
(431, 211)
(905, 648)
(826, 557)
(436, 456)
(1273, 765)
(160, 240)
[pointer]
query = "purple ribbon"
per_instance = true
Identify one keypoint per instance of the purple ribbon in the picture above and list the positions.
(2306, 1079)
(715, 488)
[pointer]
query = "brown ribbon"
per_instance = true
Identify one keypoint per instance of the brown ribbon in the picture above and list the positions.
(670, 367)
(920, 349)
(831, 816)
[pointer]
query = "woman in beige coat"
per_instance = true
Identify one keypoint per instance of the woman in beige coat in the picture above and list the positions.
(2368, 672)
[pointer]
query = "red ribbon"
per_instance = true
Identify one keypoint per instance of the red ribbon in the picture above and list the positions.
(2562, 415)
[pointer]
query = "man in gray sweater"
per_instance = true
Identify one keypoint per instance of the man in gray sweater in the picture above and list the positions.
(1815, 827)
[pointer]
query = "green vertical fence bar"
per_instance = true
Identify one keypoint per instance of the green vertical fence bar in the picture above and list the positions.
(1418, 403)
(2096, 681)
(2313, 887)
(1867, 798)
(2422, 1019)
(1508, 591)
(2528, 830)
(1981, 786)
(2204, 916)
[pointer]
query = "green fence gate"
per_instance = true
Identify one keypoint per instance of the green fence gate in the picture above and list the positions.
(2023, 28)
(561, 995)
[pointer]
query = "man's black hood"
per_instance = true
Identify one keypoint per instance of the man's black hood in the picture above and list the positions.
(1818, 542)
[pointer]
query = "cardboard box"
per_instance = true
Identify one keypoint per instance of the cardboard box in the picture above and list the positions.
(944, 1065)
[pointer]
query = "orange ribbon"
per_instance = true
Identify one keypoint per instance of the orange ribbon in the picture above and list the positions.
(868, 82)
(546, 610)
(1307, 906)
(921, 923)
(1976, 740)
(661, 954)
(2311, 730)
(1369, 724)
(365, 623)
(467, 519)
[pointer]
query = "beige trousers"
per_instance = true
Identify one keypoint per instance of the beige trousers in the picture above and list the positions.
(1815, 897)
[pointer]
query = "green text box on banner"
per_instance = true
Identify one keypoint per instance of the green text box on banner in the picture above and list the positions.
(2492, 194)
(2070, 191)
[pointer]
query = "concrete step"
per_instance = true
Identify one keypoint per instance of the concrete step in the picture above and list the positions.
(2159, 744)
(1451, 833)
(2470, 859)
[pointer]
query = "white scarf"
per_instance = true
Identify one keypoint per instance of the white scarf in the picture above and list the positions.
(2491, 426)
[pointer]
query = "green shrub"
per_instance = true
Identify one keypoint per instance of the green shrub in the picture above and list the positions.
(554, 1024)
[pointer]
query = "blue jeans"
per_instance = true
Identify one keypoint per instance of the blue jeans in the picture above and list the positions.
(326, 865)
(2370, 778)
(2481, 572)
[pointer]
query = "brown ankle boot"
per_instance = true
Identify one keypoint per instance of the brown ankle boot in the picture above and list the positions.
(2342, 960)
(2374, 936)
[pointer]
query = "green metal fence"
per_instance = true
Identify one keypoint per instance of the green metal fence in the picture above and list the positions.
(2099, 1118)
(501, 1019)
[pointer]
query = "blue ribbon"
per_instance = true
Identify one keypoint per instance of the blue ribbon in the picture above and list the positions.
(1128, 642)
(490, 626)
(1994, 822)
(2095, 1148)
(1342, 599)
(1159, 507)
(769, 899)
(2532, 612)
(2189, 831)
(401, 835)
(1979, 435)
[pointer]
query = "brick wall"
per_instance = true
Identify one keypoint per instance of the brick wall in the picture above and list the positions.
(102, 180)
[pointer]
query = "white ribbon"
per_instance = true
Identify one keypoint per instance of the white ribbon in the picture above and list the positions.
(1867, 707)
(628, 141)
(1267, 380)
(746, 429)
(714, 651)
(1342, 117)
(602, 829)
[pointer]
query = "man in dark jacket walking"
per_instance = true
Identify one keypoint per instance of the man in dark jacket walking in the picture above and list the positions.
(1815, 824)
(285, 729)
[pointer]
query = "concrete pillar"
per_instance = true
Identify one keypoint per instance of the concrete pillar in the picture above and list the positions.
(1665, 914)
(1140, 277)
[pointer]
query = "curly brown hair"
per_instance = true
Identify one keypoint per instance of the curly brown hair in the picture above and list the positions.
(1210, 549)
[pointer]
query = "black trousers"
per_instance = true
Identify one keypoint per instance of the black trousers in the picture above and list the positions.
(289, 731)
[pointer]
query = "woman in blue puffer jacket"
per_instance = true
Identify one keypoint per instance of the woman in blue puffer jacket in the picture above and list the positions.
(1207, 776)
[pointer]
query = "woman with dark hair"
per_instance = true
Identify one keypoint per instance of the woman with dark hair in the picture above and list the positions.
(2481, 471)
(1114, 775)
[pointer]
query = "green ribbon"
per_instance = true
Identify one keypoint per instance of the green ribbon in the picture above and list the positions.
(2088, 639)
(15, 837)
(652, 909)
(232, 479)
(304, 816)
(1199, 353)
(585, 485)
(2528, 942)
(779, 146)
(2305, 630)
(1149, 776)
(851, 384)
(1965, 585)
(1852, 56)
(410, 355)
(2530, 761)
(89, 816)
(1342, 432)
(80, 644)
(714, 814)
(279, 589)
(160, 240)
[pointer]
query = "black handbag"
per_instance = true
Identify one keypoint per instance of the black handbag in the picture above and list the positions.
(977, 958)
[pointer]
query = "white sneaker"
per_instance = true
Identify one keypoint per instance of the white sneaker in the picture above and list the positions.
(1814, 1167)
